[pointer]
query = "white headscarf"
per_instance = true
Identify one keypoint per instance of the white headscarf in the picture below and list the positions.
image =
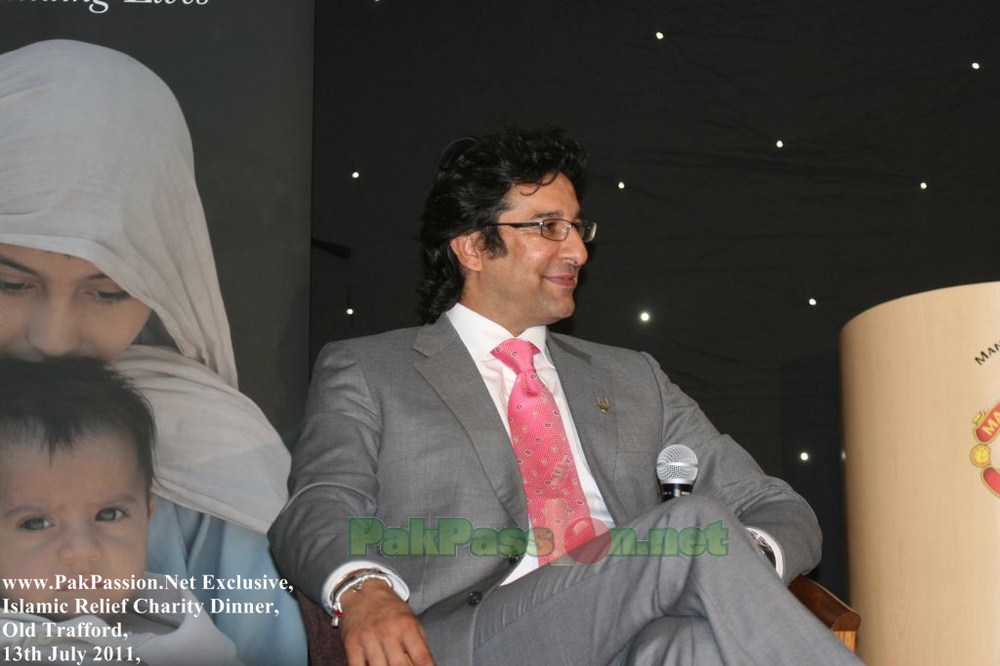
(96, 162)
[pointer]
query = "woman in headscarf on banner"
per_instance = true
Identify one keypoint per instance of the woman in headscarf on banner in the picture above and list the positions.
(104, 252)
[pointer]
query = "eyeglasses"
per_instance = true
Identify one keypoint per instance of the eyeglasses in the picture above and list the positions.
(556, 229)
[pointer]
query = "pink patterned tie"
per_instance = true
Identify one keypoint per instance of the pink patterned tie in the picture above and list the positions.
(551, 484)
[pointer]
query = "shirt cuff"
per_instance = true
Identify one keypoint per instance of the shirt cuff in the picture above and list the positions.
(759, 536)
(341, 572)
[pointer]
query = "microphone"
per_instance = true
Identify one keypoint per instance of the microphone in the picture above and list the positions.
(677, 468)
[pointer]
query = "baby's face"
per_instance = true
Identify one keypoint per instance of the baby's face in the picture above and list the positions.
(79, 512)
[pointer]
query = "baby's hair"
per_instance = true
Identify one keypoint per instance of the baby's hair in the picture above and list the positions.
(57, 402)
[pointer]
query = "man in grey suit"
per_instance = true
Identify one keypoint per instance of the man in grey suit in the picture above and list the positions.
(407, 444)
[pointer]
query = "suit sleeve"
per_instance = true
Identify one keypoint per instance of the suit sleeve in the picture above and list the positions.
(333, 475)
(728, 473)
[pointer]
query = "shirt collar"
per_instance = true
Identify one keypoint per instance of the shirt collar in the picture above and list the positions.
(480, 335)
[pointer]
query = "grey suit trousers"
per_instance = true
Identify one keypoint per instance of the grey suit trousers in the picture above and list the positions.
(670, 609)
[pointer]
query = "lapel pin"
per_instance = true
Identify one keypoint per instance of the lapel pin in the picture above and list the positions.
(603, 405)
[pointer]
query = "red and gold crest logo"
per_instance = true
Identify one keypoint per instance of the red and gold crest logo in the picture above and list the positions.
(986, 427)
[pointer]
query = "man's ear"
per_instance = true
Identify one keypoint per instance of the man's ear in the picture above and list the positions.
(469, 249)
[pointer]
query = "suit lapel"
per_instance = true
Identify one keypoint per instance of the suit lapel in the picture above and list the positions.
(449, 369)
(592, 405)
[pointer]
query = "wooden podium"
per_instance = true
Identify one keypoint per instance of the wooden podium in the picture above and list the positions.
(921, 395)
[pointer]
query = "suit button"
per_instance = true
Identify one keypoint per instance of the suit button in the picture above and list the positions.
(512, 561)
(474, 598)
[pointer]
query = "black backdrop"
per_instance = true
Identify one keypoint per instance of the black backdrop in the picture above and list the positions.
(719, 234)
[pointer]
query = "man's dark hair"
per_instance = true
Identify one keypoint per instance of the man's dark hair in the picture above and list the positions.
(59, 401)
(470, 187)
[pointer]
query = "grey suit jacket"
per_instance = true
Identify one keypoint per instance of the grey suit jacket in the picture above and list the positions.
(400, 425)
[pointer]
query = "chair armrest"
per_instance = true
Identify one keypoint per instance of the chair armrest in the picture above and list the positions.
(325, 648)
(825, 605)
(842, 620)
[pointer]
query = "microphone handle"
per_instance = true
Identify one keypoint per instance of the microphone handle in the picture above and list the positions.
(670, 490)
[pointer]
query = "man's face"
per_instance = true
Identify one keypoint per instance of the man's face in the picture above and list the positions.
(81, 511)
(533, 283)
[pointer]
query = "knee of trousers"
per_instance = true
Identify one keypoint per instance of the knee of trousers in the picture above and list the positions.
(692, 511)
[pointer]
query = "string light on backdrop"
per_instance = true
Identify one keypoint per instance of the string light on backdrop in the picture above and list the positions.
(621, 185)
(355, 175)
(813, 301)
(779, 143)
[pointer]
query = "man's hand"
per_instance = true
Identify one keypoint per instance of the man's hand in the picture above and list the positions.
(379, 629)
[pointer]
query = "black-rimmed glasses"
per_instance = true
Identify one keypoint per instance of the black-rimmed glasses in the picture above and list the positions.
(556, 229)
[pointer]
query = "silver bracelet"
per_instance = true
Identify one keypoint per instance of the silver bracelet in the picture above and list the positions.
(354, 581)
(773, 553)
(764, 547)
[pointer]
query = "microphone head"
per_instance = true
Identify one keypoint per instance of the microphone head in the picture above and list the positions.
(677, 464)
